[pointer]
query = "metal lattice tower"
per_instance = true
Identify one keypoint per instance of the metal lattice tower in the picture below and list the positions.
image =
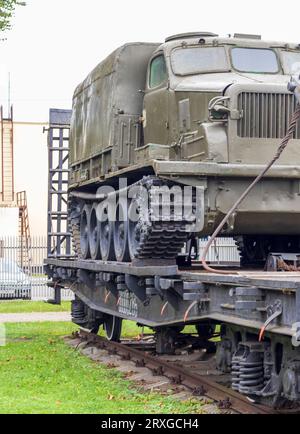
(8, 198)
(59, 234)
(7, 159)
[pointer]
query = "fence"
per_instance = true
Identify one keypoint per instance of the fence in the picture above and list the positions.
(25, 282)
(222, 250)
(30, 282)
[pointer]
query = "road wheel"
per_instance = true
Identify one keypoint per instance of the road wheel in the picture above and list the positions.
(121, 233)
(84, 232)
(106, 235)
(94, 234)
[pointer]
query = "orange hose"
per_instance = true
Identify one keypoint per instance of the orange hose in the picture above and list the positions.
(164, 308)
(189, 310)
(107, 297)
(261, 334)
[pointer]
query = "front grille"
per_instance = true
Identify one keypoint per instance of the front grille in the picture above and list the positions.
(266, 115)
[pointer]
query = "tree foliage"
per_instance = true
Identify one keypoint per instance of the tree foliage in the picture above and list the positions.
(7, 8)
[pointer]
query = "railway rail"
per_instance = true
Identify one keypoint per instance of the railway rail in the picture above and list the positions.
(199, 385)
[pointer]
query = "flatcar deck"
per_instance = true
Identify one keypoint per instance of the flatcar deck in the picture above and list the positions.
(243, 297)
(147, 269)
(261, 310)
(263, 279)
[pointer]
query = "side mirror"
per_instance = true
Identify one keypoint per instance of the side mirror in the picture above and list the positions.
(294, 84)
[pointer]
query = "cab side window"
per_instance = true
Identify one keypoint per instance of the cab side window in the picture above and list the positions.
(158, 71)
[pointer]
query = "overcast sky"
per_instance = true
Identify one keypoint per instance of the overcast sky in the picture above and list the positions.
(55, 43)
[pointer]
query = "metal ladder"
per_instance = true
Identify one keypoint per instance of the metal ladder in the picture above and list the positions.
(59, 234)
(24, 251)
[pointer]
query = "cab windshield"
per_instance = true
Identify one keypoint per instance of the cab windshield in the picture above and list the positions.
(255, 60)
(290, 62)
(197, 60)
(201, 60)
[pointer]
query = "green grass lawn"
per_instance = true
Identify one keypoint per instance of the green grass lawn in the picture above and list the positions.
(129, 328)
(32, 306)
(39, 373)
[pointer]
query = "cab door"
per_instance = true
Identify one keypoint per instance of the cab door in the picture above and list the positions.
(156, 102)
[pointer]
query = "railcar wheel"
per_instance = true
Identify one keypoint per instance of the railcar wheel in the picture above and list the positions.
(113, 327)
(84, 232)
(95, 329)
(121, 233)
(94, 234)
(205, 331)
(106, 228)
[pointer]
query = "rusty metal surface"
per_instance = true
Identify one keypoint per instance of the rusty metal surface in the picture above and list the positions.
(283, 266)
(200, 384)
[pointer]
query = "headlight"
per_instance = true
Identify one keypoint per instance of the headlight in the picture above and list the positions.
(218, 109)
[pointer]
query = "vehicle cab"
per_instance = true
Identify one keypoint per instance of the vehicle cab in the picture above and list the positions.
(221, 99)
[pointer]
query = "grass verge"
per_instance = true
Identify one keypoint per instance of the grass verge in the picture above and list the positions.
(32, 306)
(39, 373)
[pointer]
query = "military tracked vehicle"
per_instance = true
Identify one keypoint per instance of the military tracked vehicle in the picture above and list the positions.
(164, 139)
(199, 111)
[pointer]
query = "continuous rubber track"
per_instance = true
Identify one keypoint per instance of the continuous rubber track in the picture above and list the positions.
(165, 238)
(159, 239)
(75, 229)
(162, 240)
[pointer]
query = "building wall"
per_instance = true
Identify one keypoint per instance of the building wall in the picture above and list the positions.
(9, 222)
(30, 164)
